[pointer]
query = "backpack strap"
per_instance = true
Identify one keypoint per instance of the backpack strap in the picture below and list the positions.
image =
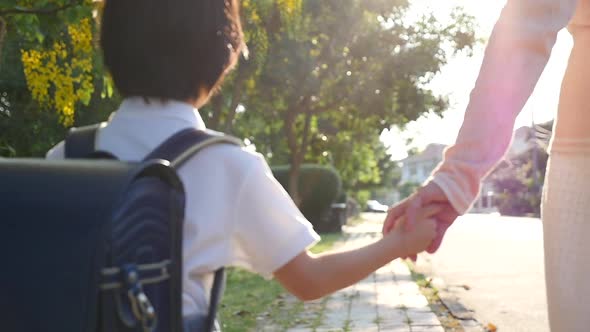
(216, 294)
(80, 142)
(178, 149)
(183, 145)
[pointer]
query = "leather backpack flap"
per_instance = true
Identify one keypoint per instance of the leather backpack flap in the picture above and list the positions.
(54, 225)
(61, 219)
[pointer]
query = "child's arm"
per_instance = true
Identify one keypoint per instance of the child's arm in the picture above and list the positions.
(309, 276)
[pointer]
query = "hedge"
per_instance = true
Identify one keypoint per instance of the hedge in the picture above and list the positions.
(319, 187)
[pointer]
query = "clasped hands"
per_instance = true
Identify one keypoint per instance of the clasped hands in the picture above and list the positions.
(428, 203)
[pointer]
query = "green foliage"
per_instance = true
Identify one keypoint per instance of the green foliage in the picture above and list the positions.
(319, 187)
(57, 50)
(361, 197)
(24, 129)
(407, 189)
(27, 128)
(36, 21)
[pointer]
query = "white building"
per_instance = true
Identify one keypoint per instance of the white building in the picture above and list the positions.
(522, 142)
(417, 168)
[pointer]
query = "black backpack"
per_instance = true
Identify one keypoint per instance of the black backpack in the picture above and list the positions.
(96, 245)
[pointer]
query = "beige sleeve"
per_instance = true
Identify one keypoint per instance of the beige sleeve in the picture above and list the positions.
(517, 52)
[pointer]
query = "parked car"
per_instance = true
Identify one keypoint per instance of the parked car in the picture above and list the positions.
(375, 206)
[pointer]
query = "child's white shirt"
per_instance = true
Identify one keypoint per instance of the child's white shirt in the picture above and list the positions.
(237, 214)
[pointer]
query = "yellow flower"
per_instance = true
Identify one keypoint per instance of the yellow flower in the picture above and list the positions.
(61, 76)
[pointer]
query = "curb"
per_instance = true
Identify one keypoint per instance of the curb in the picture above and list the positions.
(464, 315)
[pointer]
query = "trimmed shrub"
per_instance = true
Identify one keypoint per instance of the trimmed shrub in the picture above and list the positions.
(407, 189)
(353, 208)
(342, 198)
(319, 187)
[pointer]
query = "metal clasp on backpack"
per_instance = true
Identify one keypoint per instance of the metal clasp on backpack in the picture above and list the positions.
(147, 274)
(142, 308)
(130, 279)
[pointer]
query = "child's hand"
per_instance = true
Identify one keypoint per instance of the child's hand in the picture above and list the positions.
(416, 240)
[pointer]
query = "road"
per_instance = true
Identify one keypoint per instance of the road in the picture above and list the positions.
(500, 260)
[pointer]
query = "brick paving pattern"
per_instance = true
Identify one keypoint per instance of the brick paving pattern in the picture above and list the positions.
(387, 300)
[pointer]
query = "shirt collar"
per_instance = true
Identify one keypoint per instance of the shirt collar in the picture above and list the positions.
(142, 107)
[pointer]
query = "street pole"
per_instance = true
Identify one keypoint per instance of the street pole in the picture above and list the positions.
(535, 156)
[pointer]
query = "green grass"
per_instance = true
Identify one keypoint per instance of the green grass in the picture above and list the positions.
(248, 296)
(319, 317)
(354, 221)
(327, 242)
(347, 325)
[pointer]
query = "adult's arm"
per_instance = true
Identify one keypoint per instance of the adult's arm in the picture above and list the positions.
(517, 53)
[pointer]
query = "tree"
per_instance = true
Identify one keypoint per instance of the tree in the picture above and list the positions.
(514, 181)
(260, 19)
(57, 52)
(65, 81)
(407, 189)
(49, 68)
(347, 70)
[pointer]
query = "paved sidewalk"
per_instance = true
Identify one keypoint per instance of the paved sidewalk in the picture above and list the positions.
(388, 300)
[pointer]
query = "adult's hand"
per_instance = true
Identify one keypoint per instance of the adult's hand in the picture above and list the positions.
(410, 207)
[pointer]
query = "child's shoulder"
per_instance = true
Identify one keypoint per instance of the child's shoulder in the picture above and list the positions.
(231, 158)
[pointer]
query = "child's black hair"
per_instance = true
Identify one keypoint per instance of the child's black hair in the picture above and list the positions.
(170, 49)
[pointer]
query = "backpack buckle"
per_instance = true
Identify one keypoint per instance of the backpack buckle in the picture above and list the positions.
(142, 308)
(128, 281)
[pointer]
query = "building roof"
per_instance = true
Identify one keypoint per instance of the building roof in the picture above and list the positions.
(432, 151)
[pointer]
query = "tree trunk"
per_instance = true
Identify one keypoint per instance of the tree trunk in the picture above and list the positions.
(298, 151)
(289, 128)
(217, 105)
(3, 30)
(294, 183)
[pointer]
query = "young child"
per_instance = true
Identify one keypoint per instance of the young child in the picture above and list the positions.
(166, 58)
